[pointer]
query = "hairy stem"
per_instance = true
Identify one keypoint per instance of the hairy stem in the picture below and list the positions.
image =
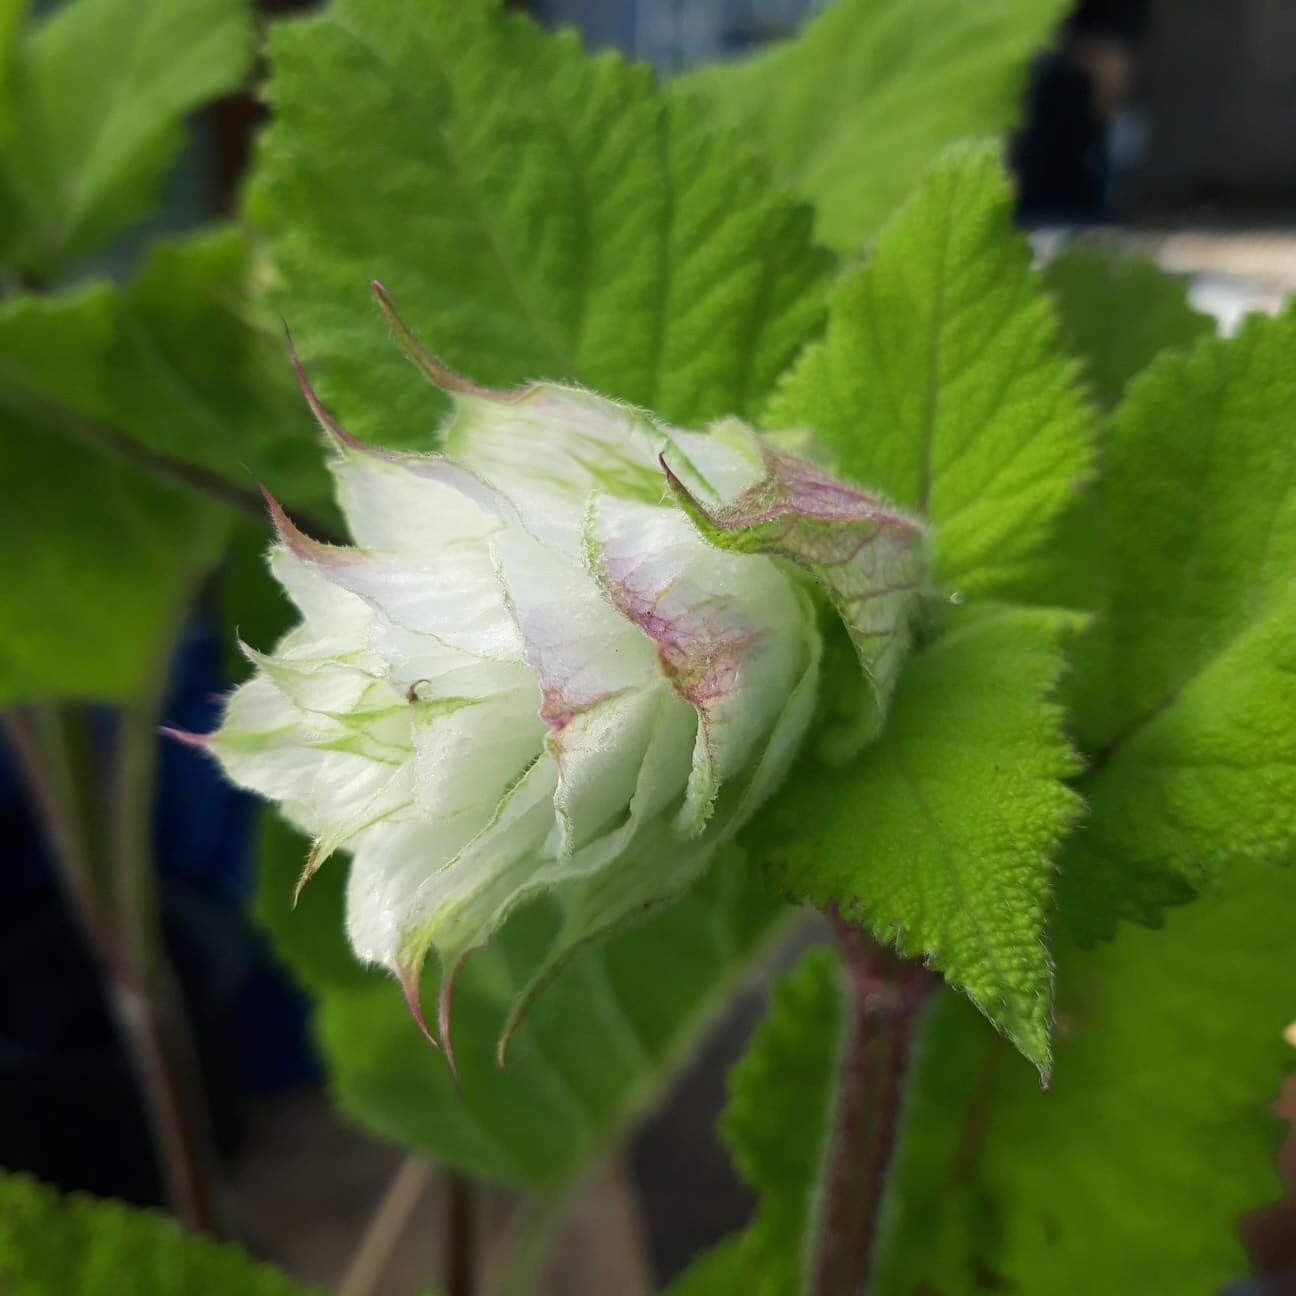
(886, 995)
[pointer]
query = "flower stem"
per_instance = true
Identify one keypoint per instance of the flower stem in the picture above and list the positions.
(886, 996)
(105, 868)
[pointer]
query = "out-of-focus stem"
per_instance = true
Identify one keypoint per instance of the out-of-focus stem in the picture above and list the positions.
(365, 1272)
(102, 853)
(886, 995)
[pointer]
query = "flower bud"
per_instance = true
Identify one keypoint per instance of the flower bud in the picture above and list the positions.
(571, 654)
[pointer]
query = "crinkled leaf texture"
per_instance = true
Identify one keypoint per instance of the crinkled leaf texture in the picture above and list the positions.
(942, 382)
(941, 836)
(1186, 683)
(1157, 1135)
(541, 213)
(533, 675)
(61, 1246)
(853, 108)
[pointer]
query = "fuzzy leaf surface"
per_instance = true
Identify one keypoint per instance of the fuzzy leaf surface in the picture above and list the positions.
(536, 213)
(942, 382)
(1131, 1174)
(854, 107)
(940, 837)
(1186, 684)
(101, 90)
(55, 1246)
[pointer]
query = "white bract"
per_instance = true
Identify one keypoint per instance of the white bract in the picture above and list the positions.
(571, 654)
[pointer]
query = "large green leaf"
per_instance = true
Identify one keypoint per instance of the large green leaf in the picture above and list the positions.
(777, 1123)
(1130, 1175)
(125, 413)
(95, 554)
(101, 90)
(852, 109)
(536, 213)
(80, 1246)
(942, 382)
(1186, 685)
(1119, 313)
(597, 1047)
(942, 835)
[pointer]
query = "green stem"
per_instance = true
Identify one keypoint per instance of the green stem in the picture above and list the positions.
(887, 994)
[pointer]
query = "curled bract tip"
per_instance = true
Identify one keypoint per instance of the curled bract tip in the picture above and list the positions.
(431, 366)
(339, 435)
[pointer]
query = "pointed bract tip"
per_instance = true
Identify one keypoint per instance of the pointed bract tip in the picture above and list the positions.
(439, 374)
(298, 541)
(327, 422)
(409, 984)
(308, 871)
(200, 742)
(444, 997)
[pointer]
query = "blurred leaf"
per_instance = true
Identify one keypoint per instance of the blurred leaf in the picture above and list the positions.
(777, 1123)
(95, 559)
(941, 836)
(597, 1047)
(102, 87)
(197, 375)
(1131, 1174)
(81, 1246)
(1119, 313)
(13, 14)
(126, 415)
(537, 214)
(853, 108)
(1186, 685)
(95, 554)
(942, 382)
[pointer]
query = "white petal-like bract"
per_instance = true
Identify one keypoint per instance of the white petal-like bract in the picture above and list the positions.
(572, 654)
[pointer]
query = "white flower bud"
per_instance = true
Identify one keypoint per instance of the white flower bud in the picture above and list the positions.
(571, 654)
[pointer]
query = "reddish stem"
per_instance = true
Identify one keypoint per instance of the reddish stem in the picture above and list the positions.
(887, 994)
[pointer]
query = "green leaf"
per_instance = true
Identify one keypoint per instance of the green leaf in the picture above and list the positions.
(102, 88)
(596, 1048)
(942, 382)
(58, 1246)
(13, 13)
(941, 836)
(536, 213)
(1187, 682)
(85, 600)
(776, 1123)
(1130, 1175)
(1119, 313)
(199, 376)
(126, 412)
(852, 109)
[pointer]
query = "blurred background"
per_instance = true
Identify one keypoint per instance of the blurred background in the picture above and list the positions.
(1168, 127)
